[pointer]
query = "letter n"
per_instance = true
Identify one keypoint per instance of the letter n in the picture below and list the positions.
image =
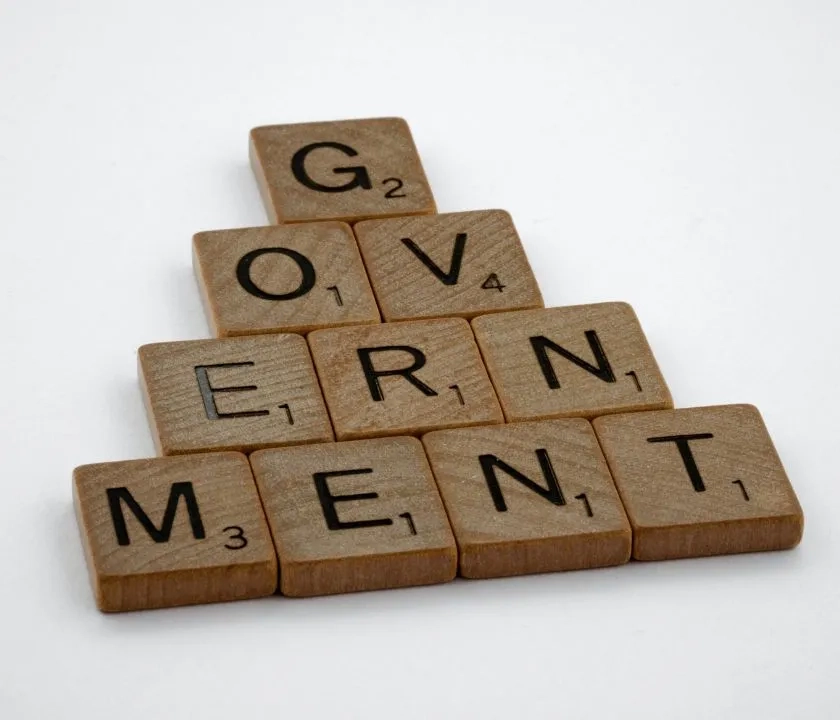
(552, 492)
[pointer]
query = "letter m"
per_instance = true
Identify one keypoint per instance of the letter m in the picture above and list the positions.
(120, 495)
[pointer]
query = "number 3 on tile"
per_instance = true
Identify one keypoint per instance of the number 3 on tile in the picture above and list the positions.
(492, 283)
(238, 538)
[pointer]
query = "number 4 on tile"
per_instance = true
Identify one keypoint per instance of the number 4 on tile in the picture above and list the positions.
(492, 282)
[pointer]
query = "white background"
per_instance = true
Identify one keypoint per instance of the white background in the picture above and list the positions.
(682, 157)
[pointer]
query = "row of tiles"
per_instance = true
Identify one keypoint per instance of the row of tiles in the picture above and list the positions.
(492, 501)
(405, 378)
(297, 278)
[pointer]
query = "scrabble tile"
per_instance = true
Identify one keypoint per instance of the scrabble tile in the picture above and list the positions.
(403, 378)
(349, 516)
(576, 361)
(173, 531)
(282, 278)
(343, 170)
(452, 265)
(529, 497)
(700, 481)
(236, 394)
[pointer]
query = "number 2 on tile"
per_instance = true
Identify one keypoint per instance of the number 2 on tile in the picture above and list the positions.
(392, 193)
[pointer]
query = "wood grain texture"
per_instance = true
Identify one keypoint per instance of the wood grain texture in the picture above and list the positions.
(436, 378)
(735, 498)
(368, 168)
(282, 278)
(393, 533)
(451, 265)
(235, 394)
(608, 366)
(569, 518)
(215, 547)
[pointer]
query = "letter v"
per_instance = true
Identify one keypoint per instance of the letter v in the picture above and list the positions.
(447, 278)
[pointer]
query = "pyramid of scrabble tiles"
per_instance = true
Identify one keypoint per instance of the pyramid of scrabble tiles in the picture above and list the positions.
(388, 403)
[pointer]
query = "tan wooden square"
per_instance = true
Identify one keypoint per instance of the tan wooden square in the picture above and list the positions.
(576, 361)
(700, 481)
(403, 378)
(173, 531)
(351, 516)
(342, 170)
(528, 498)
(452, 265)
(282, 278)
(236, 394)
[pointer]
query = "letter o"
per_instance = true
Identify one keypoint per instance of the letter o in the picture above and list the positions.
(307, 271)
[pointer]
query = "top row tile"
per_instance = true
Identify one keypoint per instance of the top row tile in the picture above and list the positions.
(347, 170)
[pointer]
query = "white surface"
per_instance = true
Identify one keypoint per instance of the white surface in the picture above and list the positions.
(684, 160)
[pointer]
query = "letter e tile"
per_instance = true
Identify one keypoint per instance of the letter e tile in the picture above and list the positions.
(240, 393)
(350, 516)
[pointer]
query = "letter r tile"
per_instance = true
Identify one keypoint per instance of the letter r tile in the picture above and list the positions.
(403, 378)
(344, 170)
(240, 393)
(350, 516)
(576, 361)
(173, 531)
(529, 497)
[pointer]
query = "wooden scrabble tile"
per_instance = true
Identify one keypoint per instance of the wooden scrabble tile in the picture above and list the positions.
(576, 361)
(282, 278)
(362, 515)
(342, 170)
(457, 264)
(236, 394)
(403, 378)
(700, 481)
(173, 531)
(528, 498)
